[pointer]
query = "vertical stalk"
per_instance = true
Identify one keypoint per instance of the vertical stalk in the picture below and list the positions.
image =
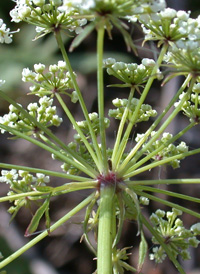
(121, 126)
(81, 101)
(124, 141)
(105, 230)
(100, 41)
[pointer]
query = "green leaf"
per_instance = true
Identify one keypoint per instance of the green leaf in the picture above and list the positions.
(36, 218)
(79, 38)
(143, 247)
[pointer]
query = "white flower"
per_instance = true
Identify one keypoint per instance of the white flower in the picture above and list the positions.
(2, 82)
(39, 68)
(28, 75)
(5, 33)
(168, 13)
(39, 2)
(195, 228)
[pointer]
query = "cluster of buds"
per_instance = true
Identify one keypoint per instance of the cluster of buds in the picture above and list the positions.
(164, 149)
(191, 107)
(132, 75)
(47, 17)
(22, 181)
(44, 113)
(56, 80)
(177, 238)
(145, 111)
(169, 26)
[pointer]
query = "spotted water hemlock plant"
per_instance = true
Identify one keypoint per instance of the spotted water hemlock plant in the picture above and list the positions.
(87, 161)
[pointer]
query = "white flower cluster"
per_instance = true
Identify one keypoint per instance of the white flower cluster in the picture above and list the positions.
(56, 80)
(131, 74)
(22, 180)
(43, 112)
(163, 148)
(144, 114)
(47, 16)
(171, 26)
(177, 238)
(147, 7)
(5, 33)
(94, 118)
(191, 106)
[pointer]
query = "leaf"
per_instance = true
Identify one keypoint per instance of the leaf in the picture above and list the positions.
(36, 218)
(143, 247)
(79, 38)
(48, 220)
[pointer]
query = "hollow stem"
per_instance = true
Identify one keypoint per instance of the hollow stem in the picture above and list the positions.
(100, 48)
(105, 229)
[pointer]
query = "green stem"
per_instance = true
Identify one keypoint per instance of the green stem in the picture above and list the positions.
(163, 182)
(167, 203)
(142, 98)
(43, 171)
(82, 103)
(41, 127)
(79, 131)
(160, 148)
(46, 233)
(165, 247)
(121, 128)
(89, 171)
(100, 43)
(161, 162)
(60, 190)
(167, 192)
(105, 236)
(126, 163)
(130, 167)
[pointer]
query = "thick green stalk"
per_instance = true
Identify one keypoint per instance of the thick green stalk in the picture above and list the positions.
(135, 114)
(81, 101)
(100, 42)
(46, 232)
(105, 229)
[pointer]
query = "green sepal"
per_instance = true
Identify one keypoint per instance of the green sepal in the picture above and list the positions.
(36, 218)
(143, 247)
